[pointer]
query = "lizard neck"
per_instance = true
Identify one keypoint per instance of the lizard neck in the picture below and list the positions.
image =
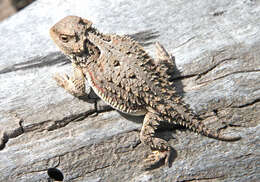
(97, 38)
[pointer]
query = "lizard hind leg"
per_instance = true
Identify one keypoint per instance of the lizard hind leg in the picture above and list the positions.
(164, 61)
(160, 148)
(162, 56)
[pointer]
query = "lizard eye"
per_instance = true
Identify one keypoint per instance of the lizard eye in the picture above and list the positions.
(64, 38)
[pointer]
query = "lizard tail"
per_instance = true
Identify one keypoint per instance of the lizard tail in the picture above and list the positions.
(199, 127)
(191, 121)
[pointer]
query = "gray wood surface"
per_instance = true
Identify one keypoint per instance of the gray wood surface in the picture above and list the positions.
(217, 50)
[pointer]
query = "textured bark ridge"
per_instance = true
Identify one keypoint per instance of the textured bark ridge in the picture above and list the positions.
(217, 50)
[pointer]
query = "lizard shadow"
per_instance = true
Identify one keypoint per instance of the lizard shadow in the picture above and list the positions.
(145, 38)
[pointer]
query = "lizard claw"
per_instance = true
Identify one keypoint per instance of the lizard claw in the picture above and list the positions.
(62, 81)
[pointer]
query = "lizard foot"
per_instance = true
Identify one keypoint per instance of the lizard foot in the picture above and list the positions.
(157, 158)
(72, 85)
(62, 81)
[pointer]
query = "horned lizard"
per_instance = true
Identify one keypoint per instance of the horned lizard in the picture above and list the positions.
(122, 74)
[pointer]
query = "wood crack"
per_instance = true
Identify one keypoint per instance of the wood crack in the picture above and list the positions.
(94, 170)
(185, 42)
(199, 75)
(247, 104)
(100, 168)
(201, 179)
(55, 125)
(213, 67)
(228, 74)
(183, 77)
(11, 134)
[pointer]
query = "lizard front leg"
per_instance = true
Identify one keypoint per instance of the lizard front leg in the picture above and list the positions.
(160, 148)
(75, 84)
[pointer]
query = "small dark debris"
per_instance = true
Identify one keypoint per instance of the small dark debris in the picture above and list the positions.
(218, 13)
(116, 63)
(55, 174)
(132, 75)
(215, 111)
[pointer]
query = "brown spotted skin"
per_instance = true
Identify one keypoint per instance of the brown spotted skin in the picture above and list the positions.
(126, 77)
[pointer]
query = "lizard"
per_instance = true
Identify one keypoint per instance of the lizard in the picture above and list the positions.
(122, 73)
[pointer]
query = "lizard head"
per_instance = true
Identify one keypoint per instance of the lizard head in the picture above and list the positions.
(69, 34)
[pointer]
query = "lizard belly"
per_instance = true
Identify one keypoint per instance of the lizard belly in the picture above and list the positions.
(113, 101)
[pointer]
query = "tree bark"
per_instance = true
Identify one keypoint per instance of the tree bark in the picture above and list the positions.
(217, 50)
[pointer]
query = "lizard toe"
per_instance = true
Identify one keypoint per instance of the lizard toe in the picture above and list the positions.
(157, 158)
(62, 81)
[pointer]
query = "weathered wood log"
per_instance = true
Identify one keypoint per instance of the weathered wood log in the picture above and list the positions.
(217, 50)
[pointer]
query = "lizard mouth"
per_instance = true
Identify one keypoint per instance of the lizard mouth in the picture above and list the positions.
(91, 51)
(79, 58)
